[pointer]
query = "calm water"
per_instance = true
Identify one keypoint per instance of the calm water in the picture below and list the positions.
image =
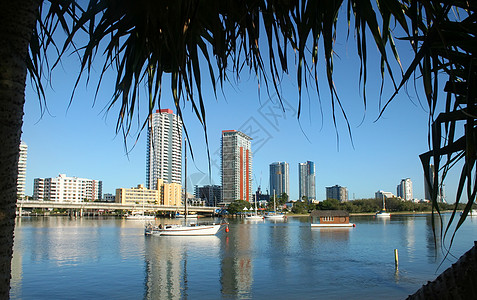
(63, 258)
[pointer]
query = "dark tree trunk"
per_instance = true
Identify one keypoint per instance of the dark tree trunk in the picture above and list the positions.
(17, 20)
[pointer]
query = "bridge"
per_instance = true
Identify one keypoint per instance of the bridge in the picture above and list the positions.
(82, 206)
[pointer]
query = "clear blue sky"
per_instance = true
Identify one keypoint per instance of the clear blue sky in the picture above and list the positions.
(81, 141)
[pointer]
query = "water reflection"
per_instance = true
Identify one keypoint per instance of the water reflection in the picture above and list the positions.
(167, 260)
(236, 263)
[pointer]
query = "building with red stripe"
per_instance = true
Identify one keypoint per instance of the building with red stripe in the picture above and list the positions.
(236, 166)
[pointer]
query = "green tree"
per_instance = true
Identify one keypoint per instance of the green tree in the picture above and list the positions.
(238, 207)
(143, 40)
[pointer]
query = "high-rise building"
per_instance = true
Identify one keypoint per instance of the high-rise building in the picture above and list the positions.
(210, 194)
(164, 148)
(404, 189)
(337, 192)
(279, 178)
(67, 189)
(427, 190)
(22, 164)
(382, 195)
(306, 181)
(236, 166)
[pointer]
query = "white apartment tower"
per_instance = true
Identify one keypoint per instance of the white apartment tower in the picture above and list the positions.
(404, 189)
(67, 189)
(22, 164)
(164, 148)
(307, 181)
(236, 166)
(279, 178)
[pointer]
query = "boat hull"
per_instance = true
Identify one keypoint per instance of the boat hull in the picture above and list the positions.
(383, 215)
(332, 225)
(275, 217)
(179, 230)
(137, 217)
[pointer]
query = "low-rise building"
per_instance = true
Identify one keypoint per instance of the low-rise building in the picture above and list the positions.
(164, 194)
(67, 189)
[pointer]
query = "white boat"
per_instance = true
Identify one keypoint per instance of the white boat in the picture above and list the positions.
(383, 213)
(139, 215)
(184, 230)
(182, 216)
(274, 215)
(255, 215)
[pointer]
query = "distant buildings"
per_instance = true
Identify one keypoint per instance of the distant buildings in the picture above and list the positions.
(164, 194)
(236, 166)
(109, 198)
(22, 164)
(279, 178)
(210, 194)
(67, 189)
(306, 181)
(381, 195)
(337, 192)
(164, 148)
(404, 189)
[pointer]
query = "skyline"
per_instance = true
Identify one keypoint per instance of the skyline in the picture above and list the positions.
(79, 139)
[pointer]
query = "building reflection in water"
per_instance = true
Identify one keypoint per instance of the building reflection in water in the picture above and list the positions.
(236, 263)
(433, 238)
(167, 260)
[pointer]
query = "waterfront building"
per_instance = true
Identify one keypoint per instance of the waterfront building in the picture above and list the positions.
(67, 189)
(427, 189)
(22, 164)
(404, 189)
(382, 195)
(279, 178)
(337, 192)
(236, 161)
(164, 194)
(210, 194)
(109, 198)
(164, 148)
(307, 181)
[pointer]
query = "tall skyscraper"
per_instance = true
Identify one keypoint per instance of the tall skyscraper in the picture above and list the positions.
(22, 164)
(306, 180)
(337, 192)
(404, 189)
(236, 166)
(164, 148)
(279, 178)
(427, 190)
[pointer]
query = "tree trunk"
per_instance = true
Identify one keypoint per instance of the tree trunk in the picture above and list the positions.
(17, 20)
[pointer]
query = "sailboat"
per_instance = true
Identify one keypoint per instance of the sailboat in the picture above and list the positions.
(191, 229)
(273, 215)
(255, 215)
(383, 213)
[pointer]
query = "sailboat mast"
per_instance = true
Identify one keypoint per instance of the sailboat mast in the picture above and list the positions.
(274, 205)
(185, 178)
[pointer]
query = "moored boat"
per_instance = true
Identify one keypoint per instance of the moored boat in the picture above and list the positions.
(331, 218)
(137, 215)
(192, 229)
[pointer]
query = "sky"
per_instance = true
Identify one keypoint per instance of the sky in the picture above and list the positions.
(79, 138)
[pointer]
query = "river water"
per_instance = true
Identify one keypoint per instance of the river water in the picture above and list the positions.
(108, 258)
